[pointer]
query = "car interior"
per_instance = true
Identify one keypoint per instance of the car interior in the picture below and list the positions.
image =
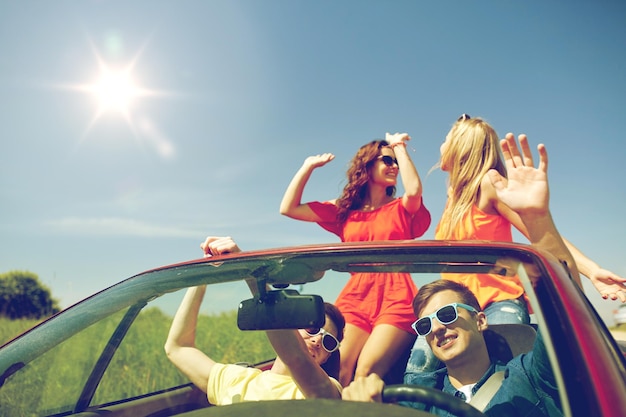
(98, 364)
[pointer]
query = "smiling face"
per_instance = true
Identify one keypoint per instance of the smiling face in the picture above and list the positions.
(314, 343)
(383, 174)
(455, 343)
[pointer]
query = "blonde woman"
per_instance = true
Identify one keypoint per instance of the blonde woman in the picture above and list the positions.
(474, 212)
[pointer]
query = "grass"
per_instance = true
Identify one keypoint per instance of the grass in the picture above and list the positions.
(52, 382)
(13, 328)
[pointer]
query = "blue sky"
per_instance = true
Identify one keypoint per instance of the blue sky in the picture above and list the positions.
(232, 96)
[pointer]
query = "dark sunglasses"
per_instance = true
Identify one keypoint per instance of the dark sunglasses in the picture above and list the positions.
(463, 117)
(387, 160)
(446, 315)
(329, 342)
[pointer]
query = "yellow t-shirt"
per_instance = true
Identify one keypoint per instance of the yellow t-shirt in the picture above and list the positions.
(230, 384)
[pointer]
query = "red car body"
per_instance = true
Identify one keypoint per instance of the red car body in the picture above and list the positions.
(590, 367)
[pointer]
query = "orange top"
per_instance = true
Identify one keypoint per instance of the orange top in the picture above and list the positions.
(388, 222)
(370, 299)
(487, 288)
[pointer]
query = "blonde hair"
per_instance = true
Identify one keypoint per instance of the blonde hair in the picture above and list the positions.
(472, 150)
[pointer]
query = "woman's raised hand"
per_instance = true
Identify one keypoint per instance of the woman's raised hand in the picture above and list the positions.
(397, 138)
(316, 161)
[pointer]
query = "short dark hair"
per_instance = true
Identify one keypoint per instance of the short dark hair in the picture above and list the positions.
(331, 366)
(427, 291)
(335, 315)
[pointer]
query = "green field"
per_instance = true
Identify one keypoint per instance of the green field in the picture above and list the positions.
(12, 328)
(139, 366)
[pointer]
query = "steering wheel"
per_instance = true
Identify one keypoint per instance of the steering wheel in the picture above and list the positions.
(429, 397)
(341, 408)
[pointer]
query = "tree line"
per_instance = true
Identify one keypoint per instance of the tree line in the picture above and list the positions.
(23, 296)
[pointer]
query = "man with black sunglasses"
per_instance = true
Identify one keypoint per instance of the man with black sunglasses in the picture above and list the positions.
(297, 371)
(450, 319)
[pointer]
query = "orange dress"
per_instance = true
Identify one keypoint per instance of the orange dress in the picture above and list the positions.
(487, 288)
(369, 299)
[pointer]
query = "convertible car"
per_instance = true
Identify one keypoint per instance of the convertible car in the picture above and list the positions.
(105, 355)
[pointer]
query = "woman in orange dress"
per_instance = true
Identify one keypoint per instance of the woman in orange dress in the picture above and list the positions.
(377, 306)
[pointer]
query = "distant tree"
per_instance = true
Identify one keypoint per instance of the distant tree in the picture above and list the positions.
(22, 295)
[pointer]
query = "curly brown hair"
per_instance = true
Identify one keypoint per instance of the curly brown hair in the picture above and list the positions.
(355, 191)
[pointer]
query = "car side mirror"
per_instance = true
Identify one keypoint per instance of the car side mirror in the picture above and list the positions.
(281, 309)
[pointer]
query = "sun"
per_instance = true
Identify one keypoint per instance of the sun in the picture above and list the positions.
(116, 91)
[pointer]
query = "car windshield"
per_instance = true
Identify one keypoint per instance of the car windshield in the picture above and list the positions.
(106, 353)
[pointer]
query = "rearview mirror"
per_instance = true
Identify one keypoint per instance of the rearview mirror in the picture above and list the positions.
(281, 309)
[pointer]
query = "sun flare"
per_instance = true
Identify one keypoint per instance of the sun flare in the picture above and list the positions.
(115, 91)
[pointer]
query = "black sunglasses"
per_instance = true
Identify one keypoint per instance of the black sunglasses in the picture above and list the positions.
(446, 315)
(329, 342)
(387, 160)
(463, 117)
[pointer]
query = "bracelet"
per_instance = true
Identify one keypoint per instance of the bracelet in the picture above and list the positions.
(403, 143)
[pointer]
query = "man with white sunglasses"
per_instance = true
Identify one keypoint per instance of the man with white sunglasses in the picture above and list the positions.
(296, 373)
(450, 320)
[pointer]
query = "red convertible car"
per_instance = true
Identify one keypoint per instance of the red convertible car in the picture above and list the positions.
(104, 356)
